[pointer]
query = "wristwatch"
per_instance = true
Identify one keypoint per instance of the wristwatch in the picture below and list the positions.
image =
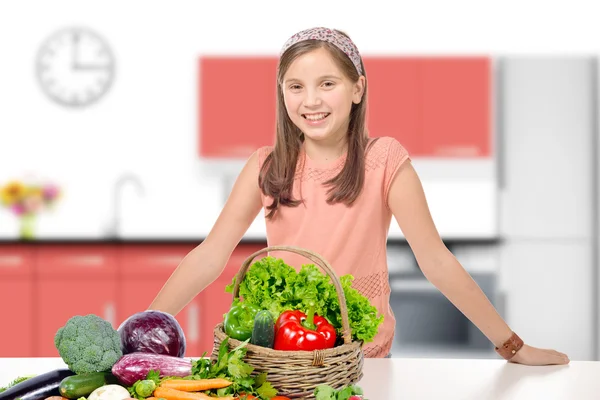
(510, 347)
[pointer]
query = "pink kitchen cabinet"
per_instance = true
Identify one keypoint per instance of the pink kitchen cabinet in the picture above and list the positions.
(57, 300)
(456, 107)
(135, 295)
(144, 270)
(72, 280)
(393, 94)
(435, 106)
(237, 105)
(215, 301)
(16, 297)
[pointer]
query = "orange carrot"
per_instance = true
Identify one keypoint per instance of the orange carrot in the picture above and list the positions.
(195, 385)
(174, 394)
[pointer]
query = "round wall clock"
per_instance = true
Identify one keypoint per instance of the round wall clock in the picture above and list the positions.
(75, 67)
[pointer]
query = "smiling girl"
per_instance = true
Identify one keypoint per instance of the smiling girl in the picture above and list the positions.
(329, 187)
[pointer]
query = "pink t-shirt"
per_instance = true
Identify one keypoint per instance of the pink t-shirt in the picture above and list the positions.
(351, 239)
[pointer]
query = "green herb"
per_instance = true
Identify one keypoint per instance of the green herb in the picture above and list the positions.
(231, 365)
(326, 392)
(273, 285)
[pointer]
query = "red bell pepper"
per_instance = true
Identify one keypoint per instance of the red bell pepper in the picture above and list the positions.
(295, 331)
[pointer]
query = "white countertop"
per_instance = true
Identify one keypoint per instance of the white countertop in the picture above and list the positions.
(447, 379)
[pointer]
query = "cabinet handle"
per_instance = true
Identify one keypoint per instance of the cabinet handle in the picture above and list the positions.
(109, 313)
(11, 261)
(412, 285)
(167, 261)
(499, 76)
(193, 323)
(87, 260)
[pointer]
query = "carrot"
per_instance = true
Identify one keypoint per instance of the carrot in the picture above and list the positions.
(195, 385)
(174, 394)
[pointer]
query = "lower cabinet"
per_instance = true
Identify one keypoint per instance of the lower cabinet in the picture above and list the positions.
(57, 300)
(135, 295)
(17, 333)
(43, 285)
(71, 280)
(215, 301)
(16, 301)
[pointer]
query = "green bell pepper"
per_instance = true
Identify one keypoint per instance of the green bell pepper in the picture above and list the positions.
(239, 321)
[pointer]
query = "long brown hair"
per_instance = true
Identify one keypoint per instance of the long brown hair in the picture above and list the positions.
(276, 178)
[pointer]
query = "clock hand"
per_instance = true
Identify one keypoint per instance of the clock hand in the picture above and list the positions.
(91, 67)
(75, 41)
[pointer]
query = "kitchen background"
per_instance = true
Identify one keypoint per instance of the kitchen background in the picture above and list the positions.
(142, 113)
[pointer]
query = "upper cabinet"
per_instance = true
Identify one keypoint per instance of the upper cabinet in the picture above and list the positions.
(435, 106)
(455, 98)
(236, 105)
(393, 91)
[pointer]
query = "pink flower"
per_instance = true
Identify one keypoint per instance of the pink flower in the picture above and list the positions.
(50, 192)
(18, 209)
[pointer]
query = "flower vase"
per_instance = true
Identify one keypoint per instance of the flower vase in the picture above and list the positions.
(27, 229)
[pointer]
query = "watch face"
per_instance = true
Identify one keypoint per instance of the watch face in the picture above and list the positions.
(75, 67)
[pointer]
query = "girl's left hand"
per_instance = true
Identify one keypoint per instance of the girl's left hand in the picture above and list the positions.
(533, 356)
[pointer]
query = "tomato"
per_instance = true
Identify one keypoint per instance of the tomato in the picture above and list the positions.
(280, 398)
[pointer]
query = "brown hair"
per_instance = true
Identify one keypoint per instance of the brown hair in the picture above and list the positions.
(276, 177)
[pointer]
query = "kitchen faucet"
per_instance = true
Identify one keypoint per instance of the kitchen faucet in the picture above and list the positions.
(115, 222)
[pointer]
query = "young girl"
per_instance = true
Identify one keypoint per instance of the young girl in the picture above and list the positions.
(328, 187)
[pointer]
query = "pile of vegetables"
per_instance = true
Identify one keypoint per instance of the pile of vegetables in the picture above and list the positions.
(288, 310)
(143, 359)
(227, 378)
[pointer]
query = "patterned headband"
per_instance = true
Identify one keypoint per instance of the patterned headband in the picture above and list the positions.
(342, 42)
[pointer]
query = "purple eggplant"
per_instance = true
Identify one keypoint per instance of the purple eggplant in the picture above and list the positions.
(37, 388)
(134, 366)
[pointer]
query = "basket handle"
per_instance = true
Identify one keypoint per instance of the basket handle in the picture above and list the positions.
(318, 260)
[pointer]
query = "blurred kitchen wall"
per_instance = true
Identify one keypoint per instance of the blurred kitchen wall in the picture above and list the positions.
(539, 254)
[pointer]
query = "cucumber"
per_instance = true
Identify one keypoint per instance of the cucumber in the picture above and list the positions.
(263, 333)
(76, 386)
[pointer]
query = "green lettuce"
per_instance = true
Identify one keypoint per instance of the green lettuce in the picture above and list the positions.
(273, 285)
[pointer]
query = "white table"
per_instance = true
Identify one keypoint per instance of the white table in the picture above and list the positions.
(439, 379)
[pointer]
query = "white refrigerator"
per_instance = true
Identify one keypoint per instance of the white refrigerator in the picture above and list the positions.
(546, 133)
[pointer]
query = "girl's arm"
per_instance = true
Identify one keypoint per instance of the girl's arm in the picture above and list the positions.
(202, 265)
(407, 202)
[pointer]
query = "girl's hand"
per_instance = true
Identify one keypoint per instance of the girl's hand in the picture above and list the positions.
(533, 356)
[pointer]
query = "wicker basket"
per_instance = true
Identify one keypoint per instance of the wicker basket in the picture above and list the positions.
(296, 373)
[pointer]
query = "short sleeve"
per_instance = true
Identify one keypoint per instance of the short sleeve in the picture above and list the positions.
(396, 156)
(263, 152)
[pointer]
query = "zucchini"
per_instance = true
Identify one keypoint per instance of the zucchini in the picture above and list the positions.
(76, 386)
(38, 387)
(263, 333)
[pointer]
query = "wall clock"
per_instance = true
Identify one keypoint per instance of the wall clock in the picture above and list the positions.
(75, 67)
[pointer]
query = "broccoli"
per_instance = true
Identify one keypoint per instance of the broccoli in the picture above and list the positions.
(88, 344)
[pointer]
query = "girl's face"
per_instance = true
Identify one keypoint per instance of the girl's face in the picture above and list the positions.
(318, 96)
